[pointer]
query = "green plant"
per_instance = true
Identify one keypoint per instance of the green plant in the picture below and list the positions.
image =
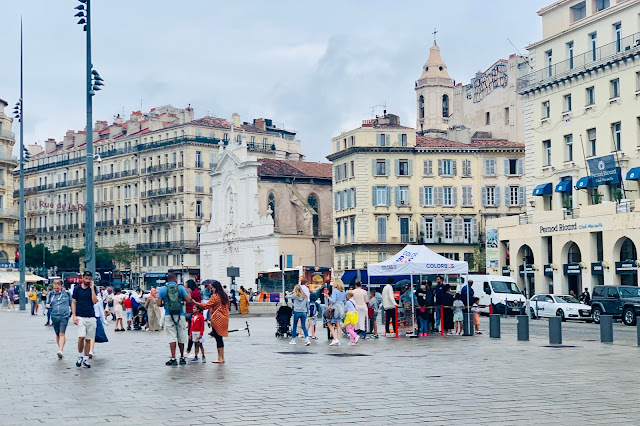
(567, 204)
(597, 197)
(616, 194)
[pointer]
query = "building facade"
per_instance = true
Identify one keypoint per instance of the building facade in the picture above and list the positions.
(152, 185)
(393, 187)
(8, 213)
(265, 211)
(582, 135)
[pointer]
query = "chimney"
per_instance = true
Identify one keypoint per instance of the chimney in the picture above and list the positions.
(49, 145)
(235, 119)
(259, 123)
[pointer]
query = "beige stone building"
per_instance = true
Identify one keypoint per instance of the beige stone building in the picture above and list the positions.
(8, 213)
(152, 184)
(393, 187)
(582, 127)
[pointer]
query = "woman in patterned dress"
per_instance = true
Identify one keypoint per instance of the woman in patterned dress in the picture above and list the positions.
(218, 306)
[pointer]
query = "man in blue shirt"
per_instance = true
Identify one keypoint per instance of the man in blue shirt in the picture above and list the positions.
(175, 324)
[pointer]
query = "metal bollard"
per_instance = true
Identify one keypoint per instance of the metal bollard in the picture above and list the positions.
(523, 327)
(467, 324)
(638, 329)
(494, 326)
(606, 328)
(555, 330)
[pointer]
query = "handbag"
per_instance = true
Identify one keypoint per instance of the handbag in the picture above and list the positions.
(328, 312)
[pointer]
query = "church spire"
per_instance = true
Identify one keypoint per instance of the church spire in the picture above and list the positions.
(435, 66)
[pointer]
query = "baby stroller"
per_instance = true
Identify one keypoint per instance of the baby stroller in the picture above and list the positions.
(140, 319)
(283, 319)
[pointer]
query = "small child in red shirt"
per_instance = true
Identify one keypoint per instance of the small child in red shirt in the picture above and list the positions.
(197, 332)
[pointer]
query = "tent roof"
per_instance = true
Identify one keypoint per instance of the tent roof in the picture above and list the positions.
(417, 259)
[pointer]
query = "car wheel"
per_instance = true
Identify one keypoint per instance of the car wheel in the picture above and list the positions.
(560, 313)
(595, 314)
(629, 317)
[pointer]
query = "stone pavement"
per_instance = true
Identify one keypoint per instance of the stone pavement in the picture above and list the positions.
(452, 380)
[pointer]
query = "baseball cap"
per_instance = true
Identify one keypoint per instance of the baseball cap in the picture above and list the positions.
(87, 274)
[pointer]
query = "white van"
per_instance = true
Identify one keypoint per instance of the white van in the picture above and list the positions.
(496, 290)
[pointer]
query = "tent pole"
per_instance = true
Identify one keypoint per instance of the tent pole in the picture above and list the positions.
(413, 308)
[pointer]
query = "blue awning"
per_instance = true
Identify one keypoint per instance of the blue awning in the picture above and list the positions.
(564, 186)
(155, 274)
(633, 174)
(543, 189)
(584, 182)
(349, 277)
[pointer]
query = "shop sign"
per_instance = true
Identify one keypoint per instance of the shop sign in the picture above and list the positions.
(530, 271)
(597, 269)
(603, 170)
(491, 246)
(572, 269)
(626, 268)
(506, 271)
(548, 270)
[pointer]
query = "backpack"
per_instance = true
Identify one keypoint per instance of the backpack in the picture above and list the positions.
(313, 310)
(173, 301)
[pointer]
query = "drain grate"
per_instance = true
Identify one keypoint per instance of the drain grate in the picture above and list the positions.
(295, 353)
(345, 354)
(559, 346)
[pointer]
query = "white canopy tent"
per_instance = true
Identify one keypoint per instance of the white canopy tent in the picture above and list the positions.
(417, 260)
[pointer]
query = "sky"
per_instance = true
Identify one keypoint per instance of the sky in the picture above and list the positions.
(318, 68)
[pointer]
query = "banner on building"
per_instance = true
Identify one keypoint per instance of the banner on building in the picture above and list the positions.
(492, 247)
(603, 170)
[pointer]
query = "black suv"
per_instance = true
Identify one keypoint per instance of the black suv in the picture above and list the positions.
(620, 301)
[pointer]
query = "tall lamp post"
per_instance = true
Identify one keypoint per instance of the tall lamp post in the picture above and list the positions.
(93, 81)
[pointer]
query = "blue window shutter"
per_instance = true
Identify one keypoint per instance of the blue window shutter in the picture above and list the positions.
(373, 196)
(289, 261)
(421, 192)
(353, 192)
(397, 166)
(387, 167)
(410, 167)
(388, 195)
(388, 140)
(506, 167)
(397, 195)
(497, 195)
(335, 201)
(373, 167)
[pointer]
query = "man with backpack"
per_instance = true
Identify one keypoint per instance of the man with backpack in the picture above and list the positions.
(173, 295)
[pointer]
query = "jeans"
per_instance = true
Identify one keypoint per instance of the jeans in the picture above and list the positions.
(33, 307)
(302, 316)
(423, 325)
(48, 316)
(437, 324)
(389, 318)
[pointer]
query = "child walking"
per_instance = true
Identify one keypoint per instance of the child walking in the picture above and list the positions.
(476, 314)
(457, 314)
(197, 332)
(313, 313)
(351, 319)
(300, 312)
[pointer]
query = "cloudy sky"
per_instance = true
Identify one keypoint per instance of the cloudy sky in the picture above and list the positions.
(316, 67)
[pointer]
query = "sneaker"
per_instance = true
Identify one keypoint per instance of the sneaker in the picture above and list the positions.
(357, 338)
(90, 354)
(307, 342)
(204, 359)
(172, 361)
(421, 335)
(375, 336)
(314, 338)
(478, 332)
(334, 343)
(195, 359)
(293, 342)
(79, 362)
(352, 343)
(86, 364)
(183, 361)
(59, 354)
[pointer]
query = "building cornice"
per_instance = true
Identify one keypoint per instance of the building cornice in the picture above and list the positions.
(422, 150)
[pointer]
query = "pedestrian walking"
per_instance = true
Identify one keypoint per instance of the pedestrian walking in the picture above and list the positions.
(372, 311)
(153, 311)
(218, 306)
(173, 295)
(389, 304)
(84, 297)
(33, 299)
(128, 308)
(447, 311)
(337, 301)
(351, 318)
(10, 296)
(109, 304)
(233, 300)
(244, 301)
(300, 312)
(101, 323)
(193, 291)
(360, 301)
(59, 305)
(45, 307)
(458, 306)
(475, 310)
(43, 300)
(118, 309)
(197, 332)
(585, 297)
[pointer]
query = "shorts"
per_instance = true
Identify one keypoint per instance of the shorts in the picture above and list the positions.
(129, 314)
(457, 316)
(197, 337)
(176, 333)
(476, 319)
(60, 324)
(87, 327)
(312, 321)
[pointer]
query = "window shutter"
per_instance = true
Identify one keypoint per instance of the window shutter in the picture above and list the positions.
(349, 198)
(520, 166)
(388, 140)
(486, 167)
(387, 166)
(521, 196)
(454, 167)
(388, 195)
(425, 167)
(506, 167)
(439, 167)
(470, 196)
(438, 195)
(474, 229)
(465, 196)
(497, 195)
(397, 166)
(399, 139)
(410, 167)
(335, 201)
(335, 173)
(458, 234)
(353, 193)
(373, 196)
(397, 195)
(379, 141)
(430, 167)
(438, 225)
(373, 167)
(507, 196)
(454, 196)
(469, 172)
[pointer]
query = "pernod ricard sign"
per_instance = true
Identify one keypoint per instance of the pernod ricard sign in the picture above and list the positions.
(569, 227)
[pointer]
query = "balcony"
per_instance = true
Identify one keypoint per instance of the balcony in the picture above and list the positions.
(167, 245)
(161, 192)
(9, 238)
(200, 189)
(104, 223)
(9, 213)
(162, 168)
(162, 218)
(199, 164)
(5, 134)
(579, 64)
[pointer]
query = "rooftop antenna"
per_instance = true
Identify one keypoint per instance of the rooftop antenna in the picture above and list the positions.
(373, 109)
(140, 104)
(519, 54)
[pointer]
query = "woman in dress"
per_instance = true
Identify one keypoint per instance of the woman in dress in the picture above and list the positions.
(337, 301)
(118, 309)
(218, 306)
(153, 311)
(244, 301)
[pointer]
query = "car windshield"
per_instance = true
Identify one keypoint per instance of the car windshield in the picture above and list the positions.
(629, 291)
(566, 299)
(505, 287)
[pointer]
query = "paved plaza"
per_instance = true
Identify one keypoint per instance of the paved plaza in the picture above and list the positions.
(452, 380)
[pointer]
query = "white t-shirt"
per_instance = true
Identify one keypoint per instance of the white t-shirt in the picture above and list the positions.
(305, 289)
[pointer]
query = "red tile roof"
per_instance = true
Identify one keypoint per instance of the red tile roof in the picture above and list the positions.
(269, 167)
(139, 132)
(221, 123)
(428, 142)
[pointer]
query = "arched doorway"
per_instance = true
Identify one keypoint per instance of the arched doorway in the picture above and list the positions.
(628, 253)
(313, 203)
(573, 270)
(526, 275)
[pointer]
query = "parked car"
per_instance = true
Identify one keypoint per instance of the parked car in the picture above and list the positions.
(559, 305)
(620, 301)
(501, 292)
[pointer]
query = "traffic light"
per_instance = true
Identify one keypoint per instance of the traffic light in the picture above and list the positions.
(26, 155)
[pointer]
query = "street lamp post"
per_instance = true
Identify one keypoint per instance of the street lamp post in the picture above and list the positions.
(19, 113)
(93, 82)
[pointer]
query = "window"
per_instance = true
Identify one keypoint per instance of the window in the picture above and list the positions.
(382, 229)
(590, 96)
(466, 168)
(199, 209)
(591, 137)
(421, 106)
(546, 109)
(570, 54)
(467, 196)
(428, 229)
(616, 130)
(447, 196)
(381, 195)
(381, 167)
(382, 257)
(490, 167)
(491, 195)
(513, 167)
(593, 37)
(638, 82)
(198, 159)
(403, 168)
(514, 192)
(402, 139)
(568, 142)
(546, 147)
(617, 28)
(352, 169)
(601, 5)
(549, 62)
(487, 118)
(506, 116)
(402, 195)
(445, 106)
(579, 11)
(615, 88)
(567, 103)
(382, 139)
(427, 196)
(448, 229)
(265, 143)
(446, 168)
(271, 205)
(427, 168)
(352, 228)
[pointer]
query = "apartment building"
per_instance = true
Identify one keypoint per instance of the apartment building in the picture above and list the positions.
(582, 135)
(8, 213)
(152, 184)
(393, 187)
